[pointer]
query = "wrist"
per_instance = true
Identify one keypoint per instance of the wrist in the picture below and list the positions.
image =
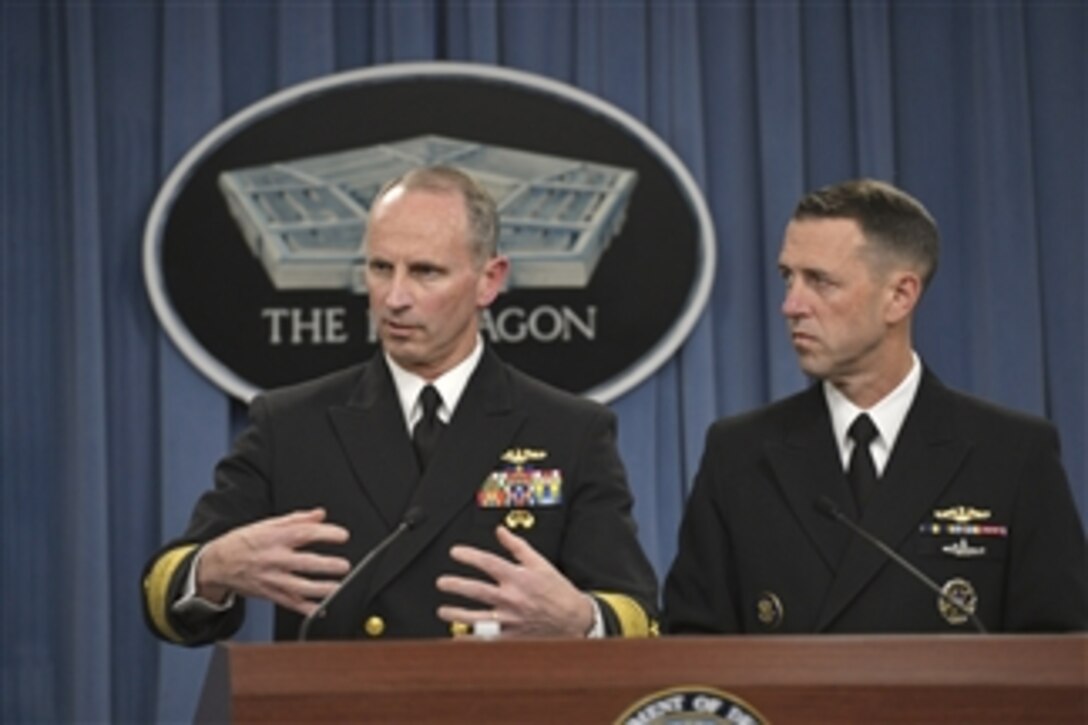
(205, 564)
(589, 622)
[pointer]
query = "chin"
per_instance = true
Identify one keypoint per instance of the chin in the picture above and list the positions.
(400, 351)
(812, 368)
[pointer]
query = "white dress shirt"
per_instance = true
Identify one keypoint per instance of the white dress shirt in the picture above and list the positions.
(888, 415)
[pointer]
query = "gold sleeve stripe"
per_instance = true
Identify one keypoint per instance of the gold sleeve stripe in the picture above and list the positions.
(157, 586)
(632, 617)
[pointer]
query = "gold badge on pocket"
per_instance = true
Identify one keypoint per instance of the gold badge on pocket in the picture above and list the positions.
(520, 519)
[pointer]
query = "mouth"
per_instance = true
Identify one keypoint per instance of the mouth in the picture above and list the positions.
(398, 329)
(801, 338)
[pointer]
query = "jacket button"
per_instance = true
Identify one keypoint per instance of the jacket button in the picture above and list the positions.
(374, 626)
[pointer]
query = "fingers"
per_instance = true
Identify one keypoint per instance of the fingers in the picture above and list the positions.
(302, 527)
(288, 600)
(529, 596)
(505, 573)
(268, 559)
(314, 514)
(508, 598)
(320, 533)
(493, 565)
(310, 563)
(301, 533)
(488, 593)
(297, 593)
(294, 531)
(518, 547)
(474, 589)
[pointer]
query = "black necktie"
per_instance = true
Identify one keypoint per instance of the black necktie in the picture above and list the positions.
(862, 470)
(428, 428)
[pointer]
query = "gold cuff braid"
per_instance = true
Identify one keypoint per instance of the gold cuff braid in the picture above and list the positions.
(157, 587)
(633, 619)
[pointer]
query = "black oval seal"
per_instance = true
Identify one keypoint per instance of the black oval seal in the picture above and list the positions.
(248, 250)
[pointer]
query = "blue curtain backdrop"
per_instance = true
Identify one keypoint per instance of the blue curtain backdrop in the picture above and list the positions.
(108, 435)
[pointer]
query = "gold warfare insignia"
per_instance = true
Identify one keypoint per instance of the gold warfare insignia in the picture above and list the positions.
(962, 514)
(958, 590)
(520, 518)
(520, 456)
(520, 485)
(963, 550)
(769, 610)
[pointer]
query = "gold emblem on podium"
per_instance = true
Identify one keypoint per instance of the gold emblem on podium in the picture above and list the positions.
(695, 704)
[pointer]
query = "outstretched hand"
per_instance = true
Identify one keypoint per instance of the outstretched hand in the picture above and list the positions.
(264, 559)
(528, 597)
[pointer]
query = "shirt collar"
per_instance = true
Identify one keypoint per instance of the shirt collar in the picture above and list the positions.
(450, 384)
(888, 414)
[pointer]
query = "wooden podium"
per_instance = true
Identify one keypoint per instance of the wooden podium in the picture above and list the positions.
(947, 678)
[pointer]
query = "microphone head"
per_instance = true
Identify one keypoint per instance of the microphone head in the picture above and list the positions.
(414, 516)
(827, 507)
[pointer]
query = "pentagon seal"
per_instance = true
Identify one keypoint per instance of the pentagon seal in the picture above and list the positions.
(691, 705)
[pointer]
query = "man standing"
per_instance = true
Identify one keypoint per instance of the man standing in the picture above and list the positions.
(974, 496)
(518, 501)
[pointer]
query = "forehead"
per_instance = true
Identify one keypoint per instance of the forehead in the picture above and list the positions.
(821, 243)
(417, 217)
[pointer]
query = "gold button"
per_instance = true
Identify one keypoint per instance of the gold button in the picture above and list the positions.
(374, 626)
(458, 628)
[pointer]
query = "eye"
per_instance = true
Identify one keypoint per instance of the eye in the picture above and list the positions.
(426, 271)
(819, 281)
(378, 267)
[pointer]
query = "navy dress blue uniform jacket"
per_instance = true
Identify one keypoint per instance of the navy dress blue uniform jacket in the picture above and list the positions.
(340, 442)
(971, 492)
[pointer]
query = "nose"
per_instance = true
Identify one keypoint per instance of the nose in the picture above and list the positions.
(397, 295)
(793, 303)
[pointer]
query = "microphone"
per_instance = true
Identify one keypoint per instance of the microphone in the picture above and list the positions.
(412, 518)
(828, 508)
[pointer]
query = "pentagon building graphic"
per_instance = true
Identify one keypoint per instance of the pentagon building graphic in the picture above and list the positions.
(304, 219)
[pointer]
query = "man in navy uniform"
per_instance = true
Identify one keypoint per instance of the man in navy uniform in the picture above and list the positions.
(972, 495)
(519, 503)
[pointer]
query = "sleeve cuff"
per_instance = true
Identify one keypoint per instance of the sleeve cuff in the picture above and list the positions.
(598, 630)
(628, 616)
(190, 603)
(157, 588)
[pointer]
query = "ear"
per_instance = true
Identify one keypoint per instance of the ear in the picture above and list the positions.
(492, 280)
(905, 288)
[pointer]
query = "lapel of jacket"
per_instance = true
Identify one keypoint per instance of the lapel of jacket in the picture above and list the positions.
(484, 424)
(923, 463)
(372, 433)
(806, 467)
